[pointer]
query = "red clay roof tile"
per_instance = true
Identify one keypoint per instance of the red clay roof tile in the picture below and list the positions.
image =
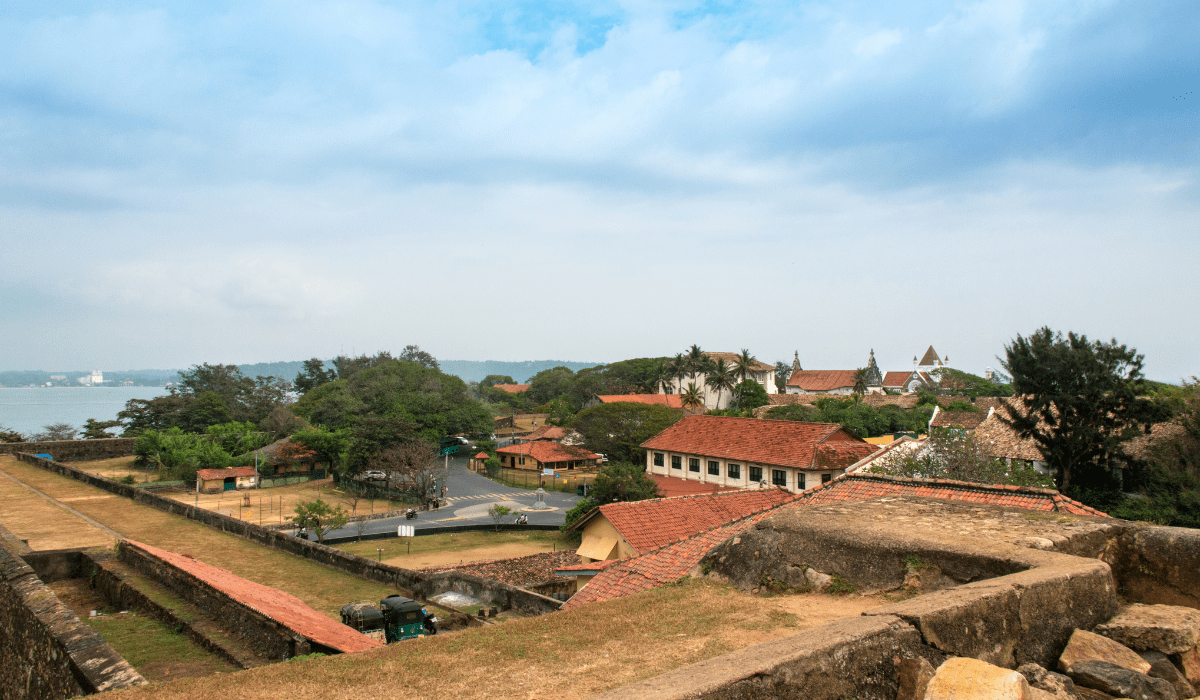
(776, 442)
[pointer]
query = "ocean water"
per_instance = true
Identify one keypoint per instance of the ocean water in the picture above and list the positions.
(26, 410)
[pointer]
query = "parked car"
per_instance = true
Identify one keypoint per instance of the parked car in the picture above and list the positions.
(375, 475)
(603, 457)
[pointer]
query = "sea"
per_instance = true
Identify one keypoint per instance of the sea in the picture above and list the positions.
(27, 409)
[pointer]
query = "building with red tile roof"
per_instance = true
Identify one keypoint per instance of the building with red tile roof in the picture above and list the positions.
(821, 381)
(214, 480)
(760, 372)
(669, 400)
(669, 486)
(546, 454)
(967, 420)
(675, 560)
(287, 610)
(745, 452)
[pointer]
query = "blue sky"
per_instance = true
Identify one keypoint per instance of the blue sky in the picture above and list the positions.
(255, 181)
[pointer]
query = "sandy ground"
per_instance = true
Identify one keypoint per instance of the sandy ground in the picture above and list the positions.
(466, 556)
(47, 526)
(276, 505)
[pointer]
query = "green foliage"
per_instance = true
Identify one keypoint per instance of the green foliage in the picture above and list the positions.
(861, 419)
(962, 406)
(617, 481)
(330, 445)
(98, 430)
(319, 517)
(498, 512)
(492, 464)
(430, 403)
(1082, 400)
(840, 586)
(951, 453)
(749, 394)
(550, 384)
(178, 455)
(313, 375)
(1167, 487)
(54, 432)
(953, 382)
(7, 435)
(238, 438)
(618, 429)
(493, 379)
(207, 395)
(577, 511)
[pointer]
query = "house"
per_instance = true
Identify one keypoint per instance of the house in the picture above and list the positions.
(553, 433)
(924, 372)
(753, 453)
(229, 479)
(835, 381)
(296, 465)
(966, 420)
(1001, 440)
(546, 454)
(618, 530)
(760, 372)
(668, 563)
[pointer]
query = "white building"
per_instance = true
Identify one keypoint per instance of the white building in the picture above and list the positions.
(761, 372)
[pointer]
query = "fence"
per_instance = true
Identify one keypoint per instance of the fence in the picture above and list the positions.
(530, 479)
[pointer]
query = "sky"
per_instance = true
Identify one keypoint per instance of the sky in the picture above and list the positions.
(242, 182)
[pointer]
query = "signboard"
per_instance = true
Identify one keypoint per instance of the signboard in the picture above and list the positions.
(547, 471)
(406, 531)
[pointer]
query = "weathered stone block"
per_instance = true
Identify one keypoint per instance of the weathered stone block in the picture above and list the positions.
(1171, 629)
(971, 679)
(1088, 646)
(1056, 684)
(1120, 682)
(1189, 662)
(913, 675)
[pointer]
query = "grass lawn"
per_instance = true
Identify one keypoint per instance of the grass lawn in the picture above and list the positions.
(453, 548)
(321, 588)
(572, 654)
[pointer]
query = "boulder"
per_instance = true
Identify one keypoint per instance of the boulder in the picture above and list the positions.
(1189, 661)
(1086, 646)
(1056, 684)
(1164, 669)
(1120, 682)
(817, 580)
(1171, 629)
(962, 678)
(1091, 694)
(913, 676)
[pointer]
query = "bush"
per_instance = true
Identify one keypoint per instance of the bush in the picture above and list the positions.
(493, 466)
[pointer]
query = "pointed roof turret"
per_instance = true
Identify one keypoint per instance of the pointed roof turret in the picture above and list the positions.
(796, 362)
(930, 358)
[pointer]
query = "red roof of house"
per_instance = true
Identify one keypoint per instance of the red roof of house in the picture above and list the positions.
(671, 400)
(894, 380)
(958, 419)
(549, 451)
(669, 486)
(591, 566)
(547, 432)
(645, 525)
(481, 455)
(512, 388)
(669, 563)
(287, 610)
(822, 379)
(207, 474)
(777, 442)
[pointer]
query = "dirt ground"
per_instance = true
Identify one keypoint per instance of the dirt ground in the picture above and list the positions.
(276, 505)
(45, 525)
(568, 655)
(504, 551)
(114, 468)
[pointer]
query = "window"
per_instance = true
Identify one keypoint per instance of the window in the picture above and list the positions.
(779, 477)
(826, 478)
(522, 461)
(676, 462)
(800, 480)
(693, 464)
(756, 474)
(658, 459)
(714, 468)
(734, 471)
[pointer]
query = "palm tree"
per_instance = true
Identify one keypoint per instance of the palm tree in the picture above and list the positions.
(744, 364)
(860, 384)
(693, 397)
(720, 378)
(679, 370)
(696, 361)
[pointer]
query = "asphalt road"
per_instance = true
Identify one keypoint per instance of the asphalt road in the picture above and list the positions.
(468, 497)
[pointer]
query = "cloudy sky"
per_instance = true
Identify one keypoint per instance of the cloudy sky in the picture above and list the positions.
(256, 181)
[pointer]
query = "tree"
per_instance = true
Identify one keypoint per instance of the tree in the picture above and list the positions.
(320, 518)
(290, 453)
(549, 384)
(861, 419)
(783, 372)
(313, 375)
(7, 435)
(860, 384)
(498, 512)
(347, 366)
(952, 453)
(617, 481)
(329, 445)
(618, 429)
(493, 379)
(413, 353)
(744, 364)
(55, 431)
(98, 429)
(692, 397)
(1081, 401)
(720, 379)
(237, 438)
(281, 422)
(409, 463)
(750, 395)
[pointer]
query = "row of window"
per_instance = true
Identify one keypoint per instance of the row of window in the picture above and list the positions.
(779, 477)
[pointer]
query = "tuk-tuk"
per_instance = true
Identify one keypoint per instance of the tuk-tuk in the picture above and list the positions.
(364, 617)
(404, 618)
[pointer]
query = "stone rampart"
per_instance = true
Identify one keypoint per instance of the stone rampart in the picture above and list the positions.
(45, 651)
(73, 450)
(417, 584)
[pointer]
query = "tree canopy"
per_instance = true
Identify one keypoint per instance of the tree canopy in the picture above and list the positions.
(617, 429)
(863, 420)
(207, 395)
(1081, 401)
(617, 481)
(952, 453)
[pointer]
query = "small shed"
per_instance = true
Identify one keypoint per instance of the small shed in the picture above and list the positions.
(231, 479)
(478, 460)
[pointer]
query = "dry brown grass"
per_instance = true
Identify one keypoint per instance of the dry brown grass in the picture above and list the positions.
(323, 589)
(573, 654)
(45, 525)
(115, 468)
(276, 505)
(459, 548)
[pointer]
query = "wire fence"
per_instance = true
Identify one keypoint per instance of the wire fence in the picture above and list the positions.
(530, 479)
